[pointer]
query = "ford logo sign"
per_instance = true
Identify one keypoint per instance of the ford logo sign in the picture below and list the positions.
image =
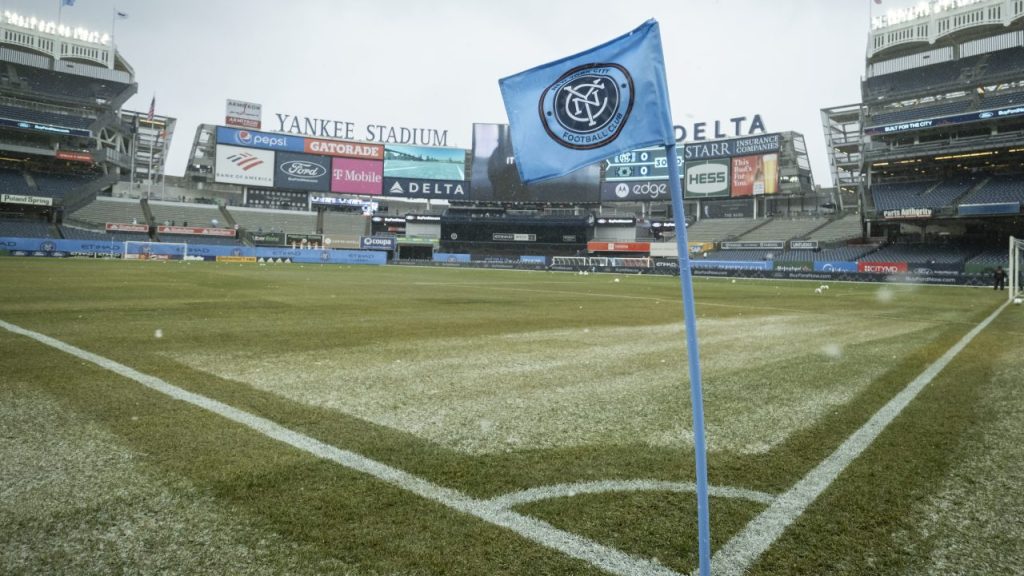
(303, 169)
(986, 115)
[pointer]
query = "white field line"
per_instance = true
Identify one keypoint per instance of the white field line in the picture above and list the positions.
(669, 299)
(608, 559)
(575, 489)
(740, 553)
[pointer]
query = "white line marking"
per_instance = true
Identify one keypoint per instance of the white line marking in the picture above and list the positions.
(607, 559)
(740, 553)
(598, 487)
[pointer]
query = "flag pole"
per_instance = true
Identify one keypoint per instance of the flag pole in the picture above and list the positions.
(693, 359)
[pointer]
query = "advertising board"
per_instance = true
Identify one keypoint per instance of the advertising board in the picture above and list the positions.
(302, 172)
(26, 199)
(706, 179)
(247, 166)
(643, 164)
(115, 227)
(265, 140)
(424, 162)
(344, 149)
(356, 176)
(634, 190)
(243, 114)
(420, 188)
(736, 208)
(763, 144)
(378, 243)
(755, 175)
(197, 230)
(882, 267)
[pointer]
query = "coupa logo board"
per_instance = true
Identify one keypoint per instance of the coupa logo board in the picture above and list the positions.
(246, 166)
(708, 178)
(378, 243)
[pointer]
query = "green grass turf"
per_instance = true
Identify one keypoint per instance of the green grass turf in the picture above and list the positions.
(487, 382)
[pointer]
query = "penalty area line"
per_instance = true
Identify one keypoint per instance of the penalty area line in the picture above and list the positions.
(603, 557)
(740, 553)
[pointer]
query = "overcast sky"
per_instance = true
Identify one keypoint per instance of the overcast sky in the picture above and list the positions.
(435, 63)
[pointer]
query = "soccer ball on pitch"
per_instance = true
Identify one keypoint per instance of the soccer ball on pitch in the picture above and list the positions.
(1017, 300)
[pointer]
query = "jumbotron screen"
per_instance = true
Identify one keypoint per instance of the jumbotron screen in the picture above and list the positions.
(496, 178)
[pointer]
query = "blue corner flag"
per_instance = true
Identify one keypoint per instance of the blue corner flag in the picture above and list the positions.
(588, 107)
(585, 108)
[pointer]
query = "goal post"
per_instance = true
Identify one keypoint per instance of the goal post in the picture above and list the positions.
(140, 250)
(1015, 270)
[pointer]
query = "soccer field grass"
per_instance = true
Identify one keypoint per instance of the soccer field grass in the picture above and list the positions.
(503, 420)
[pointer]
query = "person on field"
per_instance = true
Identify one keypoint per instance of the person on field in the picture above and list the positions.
(998, 278)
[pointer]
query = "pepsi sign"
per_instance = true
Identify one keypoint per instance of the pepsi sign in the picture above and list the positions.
(254, 139)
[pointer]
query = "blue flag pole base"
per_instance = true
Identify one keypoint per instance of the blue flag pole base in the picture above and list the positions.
(693, 359)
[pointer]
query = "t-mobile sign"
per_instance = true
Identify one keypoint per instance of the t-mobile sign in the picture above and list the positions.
(354, 176)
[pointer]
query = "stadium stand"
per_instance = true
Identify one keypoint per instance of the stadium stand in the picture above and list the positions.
(850, 253)
(1001, 99)
(105, 210)
(59, 185)
(922, 254)
(256, 219)
(784, 229)
(76, 233)
(921, 112)
(178, 214)
(1002, 63)
(719, 229)
(899, 194)
(199, 239)
(26, 229)
(981, 69)
(945, 193)
(345, 227)
(14, 182)
(44, 117)
(744, 255)
(68, 87)
(990, 257)
(844, 228)
(998, 189)
(918, 80)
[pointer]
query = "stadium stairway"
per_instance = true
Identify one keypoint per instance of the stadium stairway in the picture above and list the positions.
(88, 192)
(810, 233)
(228, 218)
(977, 186)
(148, 212)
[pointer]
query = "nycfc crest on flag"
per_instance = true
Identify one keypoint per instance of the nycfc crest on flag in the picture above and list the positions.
(584, 108)
(588, 106)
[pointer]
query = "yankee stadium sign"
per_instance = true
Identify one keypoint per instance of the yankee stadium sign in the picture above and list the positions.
(337, 129)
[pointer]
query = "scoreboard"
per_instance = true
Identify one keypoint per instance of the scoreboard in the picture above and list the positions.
(642, 164)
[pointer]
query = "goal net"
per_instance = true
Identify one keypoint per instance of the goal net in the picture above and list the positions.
(1015, 271)
(139, 250)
